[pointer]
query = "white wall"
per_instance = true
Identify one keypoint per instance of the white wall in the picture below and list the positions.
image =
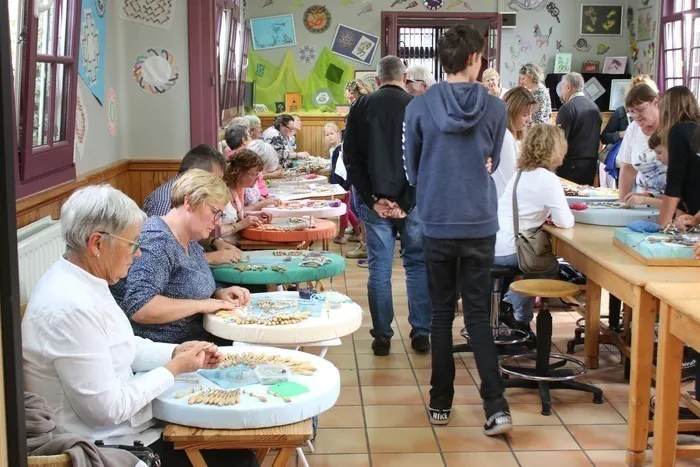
(567, 31)
(149, 126)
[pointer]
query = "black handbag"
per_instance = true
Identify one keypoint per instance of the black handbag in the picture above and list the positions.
(142, 453)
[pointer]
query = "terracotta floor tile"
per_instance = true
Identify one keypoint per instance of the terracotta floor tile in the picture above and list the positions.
(407, 460)
(615, 392)
(365, 347)
(588, 414)
(609, 458)
(349, 395)
(541, 438)
(464, 395)
(458, 439)
(623, 408)
(480, 459)
(553, 459)
(340, 441)
(475, 375)
(346, 348)
(391, 361)
(567, 396)
(401, 440)
(342, 362)
(522, 396)
(462, 376)
(362, 335)
(340, 416)
(387, 378)
(337, 460)
(391, 395)
(467, 415)
(396, 416)
(600, 436)
(531, 414)
(349, 378)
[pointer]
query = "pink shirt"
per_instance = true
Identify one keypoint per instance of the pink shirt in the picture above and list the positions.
(262, 186)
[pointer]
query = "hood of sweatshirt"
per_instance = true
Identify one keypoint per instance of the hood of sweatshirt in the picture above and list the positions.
(456, 107)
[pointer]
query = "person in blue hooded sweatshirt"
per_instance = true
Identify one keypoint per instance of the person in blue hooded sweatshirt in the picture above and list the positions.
(450, 132)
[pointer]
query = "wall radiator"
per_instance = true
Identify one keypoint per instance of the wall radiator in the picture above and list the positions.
(39, 245)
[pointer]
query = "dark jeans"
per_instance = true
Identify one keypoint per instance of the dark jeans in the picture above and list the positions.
(581, 171)
(464, 266)
(381, 242)
(214, 458)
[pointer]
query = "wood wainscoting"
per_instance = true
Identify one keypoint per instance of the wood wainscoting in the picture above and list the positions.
(311, 138)
(136, 178)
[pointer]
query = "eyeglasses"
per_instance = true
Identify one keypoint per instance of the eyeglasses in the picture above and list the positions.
(136, 244)
(638, 110)
(411, 81)
(218, 213)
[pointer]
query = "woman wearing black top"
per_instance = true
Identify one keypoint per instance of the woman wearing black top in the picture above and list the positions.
(679, 120)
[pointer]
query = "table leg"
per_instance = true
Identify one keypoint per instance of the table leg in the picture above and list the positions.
(592, 324)
(283, 457)
(260, 455)
(644, 307)
(668, 387)
(271, 287)
(195, 458)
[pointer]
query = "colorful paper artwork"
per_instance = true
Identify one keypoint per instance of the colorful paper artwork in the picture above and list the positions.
(112, 112)
(602, 49)
(322, 97)
(593, 89)
(618, 91)
(292, 101)
(582, 45)
(562, 63)
(93, 41)
(307, 53)
(279, 107)
(368, 78)
(334, 74)
(615, 65)
(154, 13)
(601, 20)
(365, 9)
(553, 10)
(156, 70)
(526, 4)
(560, 46)
(645, 30)
(297, 4)
(101, 7)
(260, 70)
(273, 32)
(591, 66)
(540, 38)
(317, 19)
(523, 44)
(354, 44)
(81, 126)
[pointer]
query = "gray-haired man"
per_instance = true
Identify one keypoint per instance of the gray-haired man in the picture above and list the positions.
(580, 119)
(373, 156)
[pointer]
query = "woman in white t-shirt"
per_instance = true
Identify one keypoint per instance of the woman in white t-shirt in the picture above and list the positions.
(639, 165)
(520, 104)
(540, 199)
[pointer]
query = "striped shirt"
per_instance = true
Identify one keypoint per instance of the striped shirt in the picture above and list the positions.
(158, 202)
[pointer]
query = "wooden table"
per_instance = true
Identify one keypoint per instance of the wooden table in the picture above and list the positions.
(286, 438)
(589, 249)
(679, 323)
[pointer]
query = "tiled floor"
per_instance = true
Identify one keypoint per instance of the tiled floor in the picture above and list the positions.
(380, 418)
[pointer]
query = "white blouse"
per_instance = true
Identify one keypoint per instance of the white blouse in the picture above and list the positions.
(506, 167)
(81, 354)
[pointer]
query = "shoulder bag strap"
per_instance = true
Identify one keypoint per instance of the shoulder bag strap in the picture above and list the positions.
(516, 223)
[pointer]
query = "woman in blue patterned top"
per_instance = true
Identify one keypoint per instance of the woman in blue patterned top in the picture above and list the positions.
(170, 286)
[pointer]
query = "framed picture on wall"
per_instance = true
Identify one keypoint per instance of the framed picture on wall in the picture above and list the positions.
(601, 20)
(354, 44)
(618, 91)
(615, 65)
(645, 24)
(272, 32)
(292, 101)
(591, 66)
(368, 78)
(562, 63)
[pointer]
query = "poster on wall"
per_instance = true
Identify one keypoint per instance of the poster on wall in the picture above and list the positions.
(645, 30)
(601, 20)
(618, 91)
(156, 71)
(154, 13)
(93, 42)
(273, 32)
(368, 78)
(354, 44)
(81, 126)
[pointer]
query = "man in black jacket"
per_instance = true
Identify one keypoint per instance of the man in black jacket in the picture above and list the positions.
(581, 120)
(373, 156)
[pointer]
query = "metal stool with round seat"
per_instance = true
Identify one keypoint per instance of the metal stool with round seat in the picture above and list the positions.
(501, 334)
(545, 375)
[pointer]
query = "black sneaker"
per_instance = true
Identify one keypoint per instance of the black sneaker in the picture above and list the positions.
(498, 423)
(421, 344)
(439, 416)
(381, 346)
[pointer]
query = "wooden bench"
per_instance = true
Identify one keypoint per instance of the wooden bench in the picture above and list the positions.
(286, 438)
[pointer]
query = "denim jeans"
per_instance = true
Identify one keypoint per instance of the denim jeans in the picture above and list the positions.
(464, 266)
(381, 240)
(523, 306)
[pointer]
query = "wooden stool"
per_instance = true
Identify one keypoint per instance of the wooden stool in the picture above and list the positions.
(545, 376)
(287, 438)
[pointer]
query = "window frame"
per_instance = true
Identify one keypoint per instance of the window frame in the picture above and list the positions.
(228, 89)
(687, 19)
(45, 166)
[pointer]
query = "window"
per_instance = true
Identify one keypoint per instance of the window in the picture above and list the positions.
(228, 57)
(679, 64)
(48, 94)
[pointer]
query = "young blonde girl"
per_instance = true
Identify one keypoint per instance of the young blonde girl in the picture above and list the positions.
(339, 176)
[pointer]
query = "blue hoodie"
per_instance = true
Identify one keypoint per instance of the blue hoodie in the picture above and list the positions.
(449, 133)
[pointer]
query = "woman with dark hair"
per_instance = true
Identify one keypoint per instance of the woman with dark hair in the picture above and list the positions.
(242, 171)
(278, 136)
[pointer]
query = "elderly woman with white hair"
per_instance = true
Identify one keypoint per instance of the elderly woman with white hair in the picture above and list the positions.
(79, 350)
(257, 196)
(531, 79)
(254, 126)
(492, 81)
(170, 287)
(418, 79)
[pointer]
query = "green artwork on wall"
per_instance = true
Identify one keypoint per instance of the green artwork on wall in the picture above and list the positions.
(329, 75)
